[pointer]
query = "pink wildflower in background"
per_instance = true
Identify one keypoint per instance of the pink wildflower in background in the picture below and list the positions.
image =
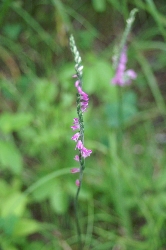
(123, 76)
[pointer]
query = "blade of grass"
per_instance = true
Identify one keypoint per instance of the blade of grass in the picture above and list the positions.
(4, 9)
(26, 63)
(83, 21)
(37, 27)
(40, 182)
(157, 17)
(62, 11)
(150, 79)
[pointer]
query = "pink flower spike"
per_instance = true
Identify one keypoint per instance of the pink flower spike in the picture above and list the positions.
(77, 183)
(76, 158)
(74, 76)
(76, 137)
(123, 76)
(75, 170)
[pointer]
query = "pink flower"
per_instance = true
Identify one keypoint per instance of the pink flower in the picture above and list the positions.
(83, 95)
(129, 75)
(85, 152)
(76, 158)
(77, 83)
(77, 183)
(79, 145)
(84, 106)
(76, 137)
(76, 124)
(123, 77)
(75, 170)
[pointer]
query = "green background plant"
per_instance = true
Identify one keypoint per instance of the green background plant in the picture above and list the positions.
(123, 199)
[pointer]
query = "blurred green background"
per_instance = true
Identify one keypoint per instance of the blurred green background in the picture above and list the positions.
(123, 199)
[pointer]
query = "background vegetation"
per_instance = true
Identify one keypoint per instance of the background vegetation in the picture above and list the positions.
(123, 198)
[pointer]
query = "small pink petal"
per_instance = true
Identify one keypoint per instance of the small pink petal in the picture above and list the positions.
(76, 158)
(77, 83)
(77, 183)
(75, 170)
(85, 152)
(76, 137)
(79, 145)
(131, 73)
(75, 127)
(75, 120)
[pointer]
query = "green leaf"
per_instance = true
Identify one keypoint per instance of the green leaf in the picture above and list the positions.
(4, 188)
(25, 227)
(59, 199)
(8, 223)
(129, 110)
(12, 31)
(97, 79)
(45, 91)
(13, 204)
(99, 5)
(10, 157)
(42, 192)
(14, 122)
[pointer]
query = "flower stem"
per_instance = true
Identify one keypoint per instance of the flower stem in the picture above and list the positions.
(120, 120)
(76, 212)
(127, 30)
(78, 68)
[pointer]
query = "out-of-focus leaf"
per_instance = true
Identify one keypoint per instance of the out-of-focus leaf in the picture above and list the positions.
(13, 204)
(86, 38)
(45, 91)
(12, 30)
(43, 191)
(25, 227)
(129, 109)
(59, 199)
(10, 157)
(99, 5)
(97, 79)
(4, 188)
(14, 122)
(8, 223)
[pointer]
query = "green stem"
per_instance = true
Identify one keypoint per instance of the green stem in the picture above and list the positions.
(129, 21)
(78, 68)
(120, 120)
(76, 211)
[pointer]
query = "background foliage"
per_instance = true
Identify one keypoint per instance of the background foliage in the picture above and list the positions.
(123, 200)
